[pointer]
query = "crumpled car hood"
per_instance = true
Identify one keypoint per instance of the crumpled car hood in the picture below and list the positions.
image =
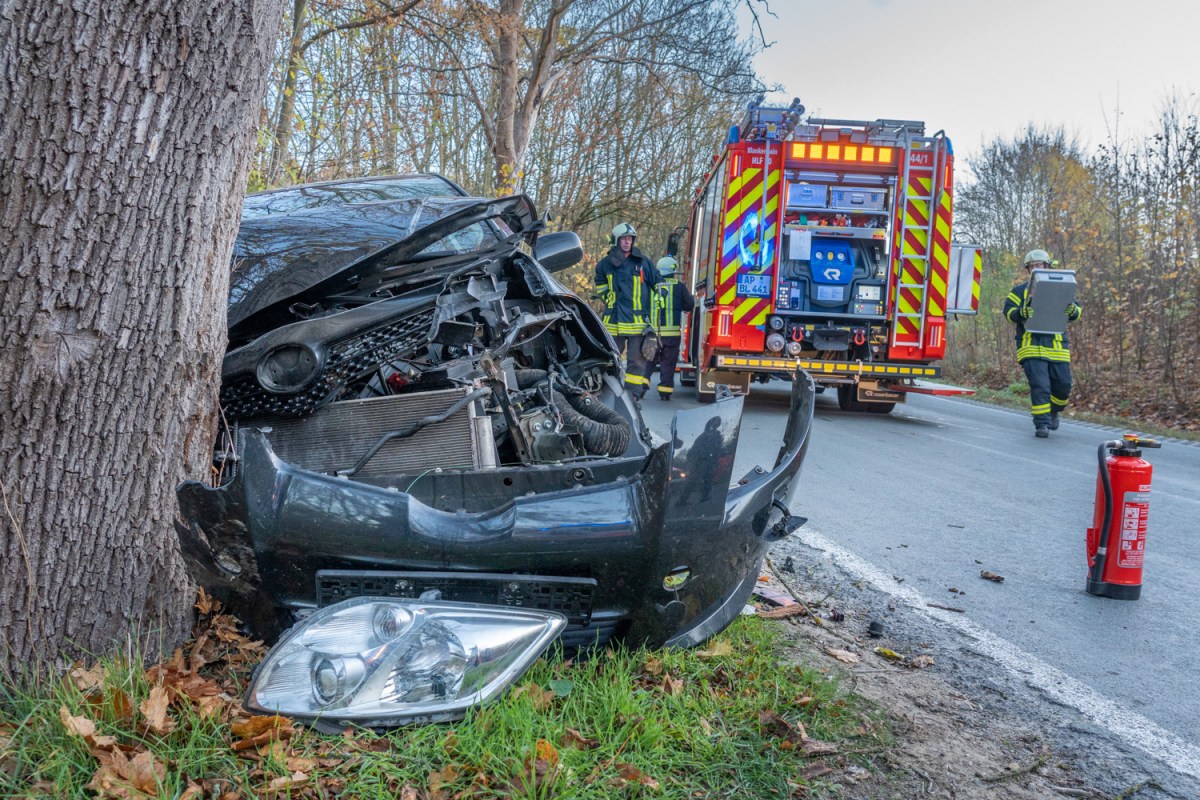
(307, 254)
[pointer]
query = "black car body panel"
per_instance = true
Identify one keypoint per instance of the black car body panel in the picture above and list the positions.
(401, 422)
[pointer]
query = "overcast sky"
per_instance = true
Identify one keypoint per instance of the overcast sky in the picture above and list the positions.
(985, 68)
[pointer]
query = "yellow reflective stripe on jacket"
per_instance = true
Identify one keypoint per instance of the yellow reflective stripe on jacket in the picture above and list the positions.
(664, 312)
(610, 300)
(1014, 312)
(1053, 352)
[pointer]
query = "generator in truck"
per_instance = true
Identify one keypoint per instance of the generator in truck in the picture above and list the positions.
(824, 245)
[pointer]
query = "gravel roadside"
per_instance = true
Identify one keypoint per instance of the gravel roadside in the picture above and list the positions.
(965, 727)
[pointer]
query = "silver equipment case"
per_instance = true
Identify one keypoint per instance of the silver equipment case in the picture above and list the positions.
(1050, 292)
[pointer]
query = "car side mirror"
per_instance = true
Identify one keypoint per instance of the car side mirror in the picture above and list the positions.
(557, 251)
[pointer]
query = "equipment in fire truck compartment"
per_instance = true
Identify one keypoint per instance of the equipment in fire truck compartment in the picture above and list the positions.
(832, 275)
(807, 195)
(820, 200)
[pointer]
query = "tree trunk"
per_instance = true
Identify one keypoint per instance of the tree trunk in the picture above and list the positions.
(125, 135)
(509, 27)
(287, 101)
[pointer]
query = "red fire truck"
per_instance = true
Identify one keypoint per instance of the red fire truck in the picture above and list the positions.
(824, 245)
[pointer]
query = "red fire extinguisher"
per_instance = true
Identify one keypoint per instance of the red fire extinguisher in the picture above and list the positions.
(1116, 542)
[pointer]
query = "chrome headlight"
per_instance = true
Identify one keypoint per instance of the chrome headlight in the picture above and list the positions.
(775, 342)
(380, 661)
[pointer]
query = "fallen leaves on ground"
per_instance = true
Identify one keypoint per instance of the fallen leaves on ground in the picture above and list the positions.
(536, 777)
(441, 778)
(889, 654)
(154, 709)
(793, 736)
(573, 738)
(86, 678)
(716, 649)
(628, 774)
(845, 656)
(86, 730)
(258, 732)
(122, 777)
(541, 699)
(284, 785)
(672, 687)
(126, 766)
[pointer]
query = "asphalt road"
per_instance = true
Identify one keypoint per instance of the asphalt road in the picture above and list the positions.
(917, 502)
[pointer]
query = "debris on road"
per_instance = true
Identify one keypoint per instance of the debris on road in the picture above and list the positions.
(991, 576)
(889, 654)
(845, 656)
(783, 612)
(955, 609)
(774, 597)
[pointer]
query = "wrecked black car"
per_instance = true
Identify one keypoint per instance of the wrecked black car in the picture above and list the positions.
(416, 411)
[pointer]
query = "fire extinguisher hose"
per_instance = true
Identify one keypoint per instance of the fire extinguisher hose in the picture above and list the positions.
(1102, 546)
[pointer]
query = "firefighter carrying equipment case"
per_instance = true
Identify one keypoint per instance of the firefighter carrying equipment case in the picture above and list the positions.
(1050, 292)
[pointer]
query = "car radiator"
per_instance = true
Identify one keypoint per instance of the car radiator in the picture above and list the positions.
(335, 437)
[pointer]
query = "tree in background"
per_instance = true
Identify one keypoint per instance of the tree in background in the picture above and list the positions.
(1126, 219)
(1031, 191)
(125, 135)
(600, 110)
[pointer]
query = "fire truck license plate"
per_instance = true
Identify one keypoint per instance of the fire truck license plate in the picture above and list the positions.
(754, 285)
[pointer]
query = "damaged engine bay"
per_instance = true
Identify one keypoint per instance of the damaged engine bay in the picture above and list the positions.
(413, 407)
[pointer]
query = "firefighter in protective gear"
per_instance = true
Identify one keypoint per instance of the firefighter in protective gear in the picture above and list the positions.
(1045, 357)
(625, 280)
(671, 301)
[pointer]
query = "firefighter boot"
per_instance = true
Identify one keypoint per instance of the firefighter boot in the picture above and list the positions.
(1053, 421)
(1042, 432)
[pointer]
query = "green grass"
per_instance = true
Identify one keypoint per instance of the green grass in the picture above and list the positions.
(623, 723)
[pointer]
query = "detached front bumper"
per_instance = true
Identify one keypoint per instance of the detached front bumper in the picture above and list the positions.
(661, 549)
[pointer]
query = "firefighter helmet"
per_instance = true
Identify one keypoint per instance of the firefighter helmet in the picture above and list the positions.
(1035, 256)
(667, 266)
(623, 229)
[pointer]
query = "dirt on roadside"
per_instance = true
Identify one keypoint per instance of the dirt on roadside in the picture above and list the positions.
(954, 737)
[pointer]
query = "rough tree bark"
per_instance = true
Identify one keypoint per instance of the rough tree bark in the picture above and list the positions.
(125, 132)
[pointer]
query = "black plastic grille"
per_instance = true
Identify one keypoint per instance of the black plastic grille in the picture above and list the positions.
(571, 597)
(347, 360)
(597, 633)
